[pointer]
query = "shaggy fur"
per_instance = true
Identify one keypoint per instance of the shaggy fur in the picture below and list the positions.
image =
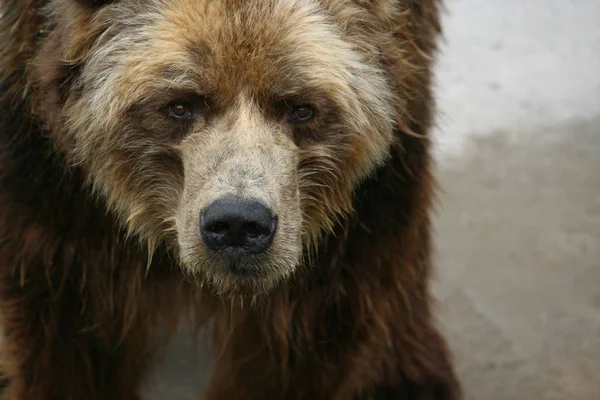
(100, 193)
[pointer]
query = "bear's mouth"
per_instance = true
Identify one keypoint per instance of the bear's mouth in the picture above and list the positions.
(241, 277)
(241, 270)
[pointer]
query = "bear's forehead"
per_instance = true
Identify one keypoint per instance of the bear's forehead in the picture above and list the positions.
(247, 30)
(222, 45)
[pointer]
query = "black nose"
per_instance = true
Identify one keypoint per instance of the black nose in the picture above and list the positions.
(237, 224)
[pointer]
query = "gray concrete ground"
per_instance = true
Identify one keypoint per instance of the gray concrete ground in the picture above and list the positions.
(519, 265)
(518, 227)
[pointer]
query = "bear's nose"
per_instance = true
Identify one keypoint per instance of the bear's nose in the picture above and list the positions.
(234, 224)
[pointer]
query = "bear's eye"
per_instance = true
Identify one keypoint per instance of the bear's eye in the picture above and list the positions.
(302, 114)
(180, 110)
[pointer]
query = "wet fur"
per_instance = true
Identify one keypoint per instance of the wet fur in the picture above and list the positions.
(86, 280)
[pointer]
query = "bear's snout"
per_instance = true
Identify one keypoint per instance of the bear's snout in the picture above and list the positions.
(234, 226)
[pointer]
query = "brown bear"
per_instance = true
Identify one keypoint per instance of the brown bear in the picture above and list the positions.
(261, 164)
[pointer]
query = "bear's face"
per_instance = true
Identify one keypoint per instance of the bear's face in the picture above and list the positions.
(235, 131)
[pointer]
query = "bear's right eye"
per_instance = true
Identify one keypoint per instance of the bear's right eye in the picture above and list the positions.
(180, 110)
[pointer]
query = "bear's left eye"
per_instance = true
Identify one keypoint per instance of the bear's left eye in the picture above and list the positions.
(180, 110)
(302, 114)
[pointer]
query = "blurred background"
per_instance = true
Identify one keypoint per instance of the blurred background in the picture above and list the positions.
(518, 225)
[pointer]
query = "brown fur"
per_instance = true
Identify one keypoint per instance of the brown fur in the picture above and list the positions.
(99, 195)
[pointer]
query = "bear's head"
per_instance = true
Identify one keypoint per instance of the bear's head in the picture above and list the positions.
(236, 132)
